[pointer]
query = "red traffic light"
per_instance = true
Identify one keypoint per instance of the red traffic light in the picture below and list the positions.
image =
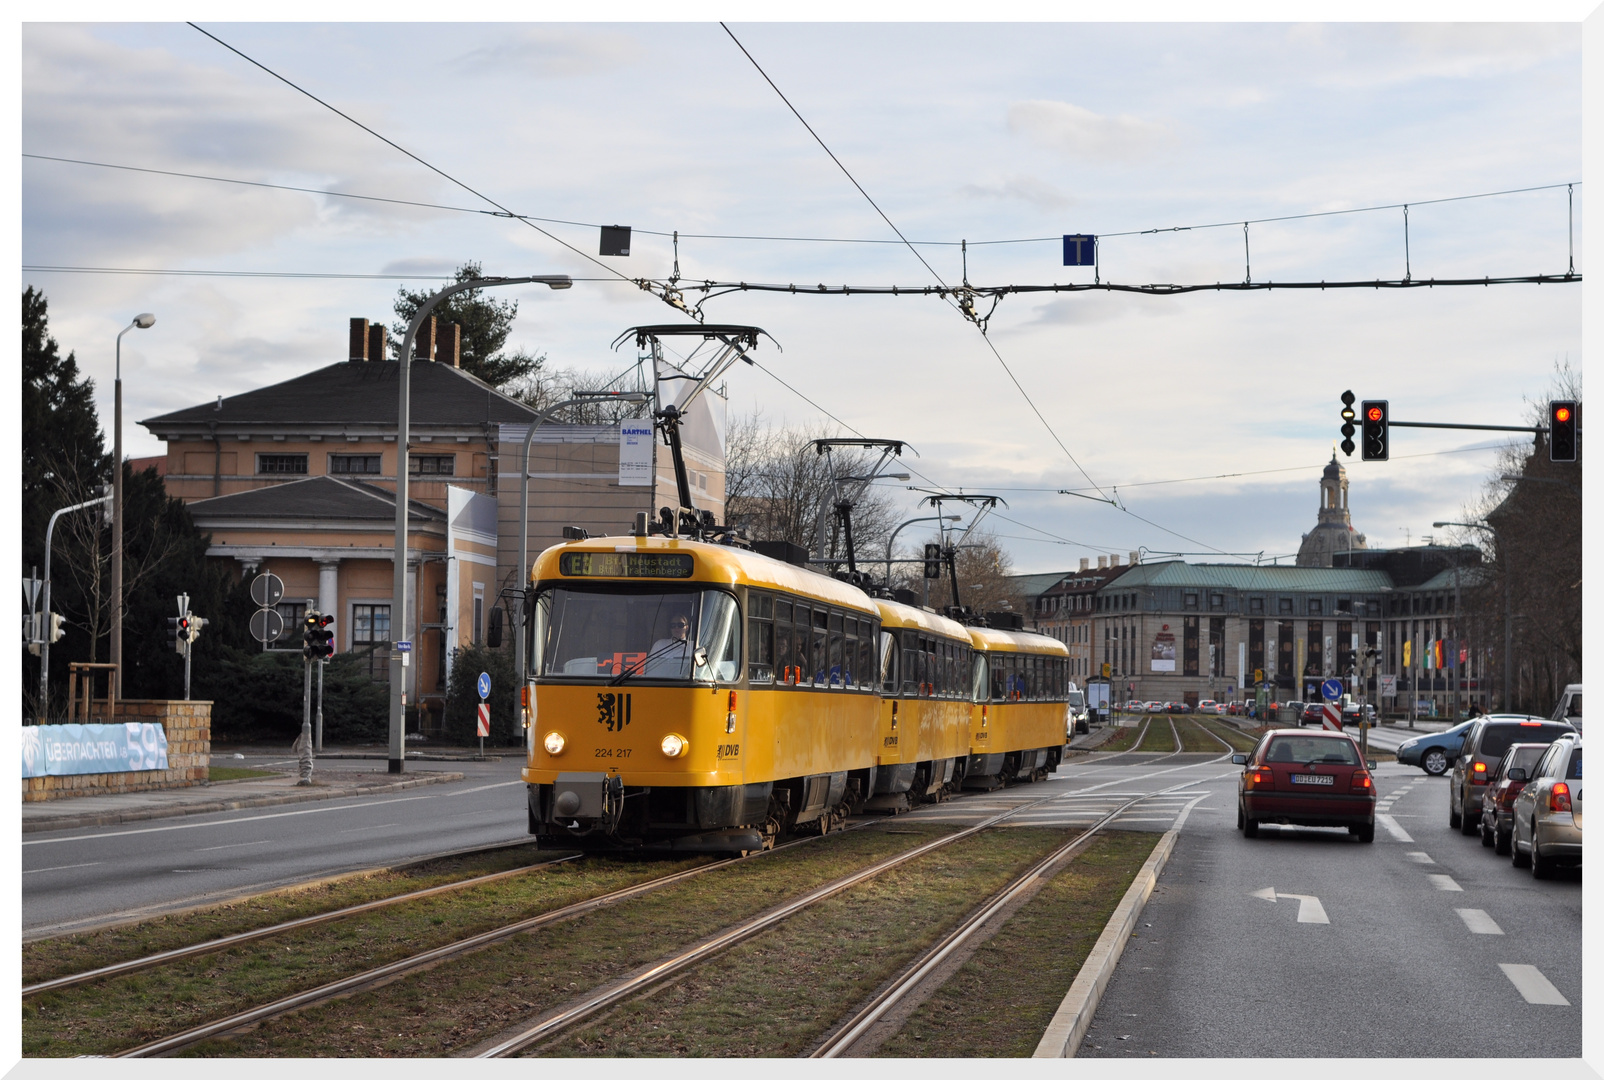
(1373, 414)
(1562, 414)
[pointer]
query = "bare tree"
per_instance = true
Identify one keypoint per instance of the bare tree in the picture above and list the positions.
(544, 387)
(985, 574)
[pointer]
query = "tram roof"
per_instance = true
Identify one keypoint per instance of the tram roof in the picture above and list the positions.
(989, 640)
(905, 615)
(715, 563)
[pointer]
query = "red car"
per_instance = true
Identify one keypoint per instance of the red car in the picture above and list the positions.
(1297, 777)
(1504, 783)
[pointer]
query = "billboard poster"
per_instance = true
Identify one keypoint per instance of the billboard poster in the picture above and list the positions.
(73, 749)
(635, 453)
(1164, 650)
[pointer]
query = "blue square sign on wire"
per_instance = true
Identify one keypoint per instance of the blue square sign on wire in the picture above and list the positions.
(1080, 250)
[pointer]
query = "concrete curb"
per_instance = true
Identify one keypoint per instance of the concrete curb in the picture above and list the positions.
(248, 802)
(1068, 1025)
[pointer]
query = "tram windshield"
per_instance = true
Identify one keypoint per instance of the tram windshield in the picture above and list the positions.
(646, 634)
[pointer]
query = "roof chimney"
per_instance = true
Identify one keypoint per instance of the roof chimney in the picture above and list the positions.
(423, 343)
(359, 340)
(1085, 564)
(1136, 557)
(449, 351)
(1113, 560)
(378, 342)
(1102, 562)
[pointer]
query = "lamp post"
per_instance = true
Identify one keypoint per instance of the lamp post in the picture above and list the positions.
(143, 321)
(581, 398)
(892, 539)
(44, 642)
(398, 602)
(1509, 647)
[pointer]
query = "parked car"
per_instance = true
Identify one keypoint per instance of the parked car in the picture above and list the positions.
(1569, 709)
(1434, 753)
(1486, 742)
(1079, 720)
(1506, 782)
(1353, 714)
(1547, 817)
(1306, 778)
(1237, 708)
(1177, 707)
(1155, 706)
(1313, 713)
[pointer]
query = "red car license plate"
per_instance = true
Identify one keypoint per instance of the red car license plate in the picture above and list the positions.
(1313, 778)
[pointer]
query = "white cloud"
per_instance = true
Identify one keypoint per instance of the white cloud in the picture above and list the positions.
(1036, 192)
(1085, 134)
(545, 54)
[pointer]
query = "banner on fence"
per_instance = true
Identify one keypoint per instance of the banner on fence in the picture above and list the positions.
(72, 749)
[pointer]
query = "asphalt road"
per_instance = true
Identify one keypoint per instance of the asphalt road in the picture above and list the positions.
(1422, 944)
(80, 875)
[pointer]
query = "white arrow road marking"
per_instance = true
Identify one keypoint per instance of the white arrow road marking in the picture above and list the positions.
(1393, 828)
(1310, 909)
(1478, 921)
(1532, 985)
(1444, 883)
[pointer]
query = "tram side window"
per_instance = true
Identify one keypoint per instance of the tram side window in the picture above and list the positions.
(836, 672)
(783, 661)
(910, 662)
(760, 620)
(1038, 678)
(820, 665)
(802, 644)
(998, 665)
(979, 686)
(868, 634)
(888, 662)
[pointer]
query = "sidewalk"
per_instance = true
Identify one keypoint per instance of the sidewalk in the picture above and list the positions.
(116, 809)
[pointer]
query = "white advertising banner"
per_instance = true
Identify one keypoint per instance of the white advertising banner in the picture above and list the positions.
(635, 453)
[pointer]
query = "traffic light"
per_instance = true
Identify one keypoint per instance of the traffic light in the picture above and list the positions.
(1373, 421)
(1562, 431)
(932, 560)
(57, 624)
(181, 638)
(173, 637)
(1347, 422)
(196, 625)
(317, 640)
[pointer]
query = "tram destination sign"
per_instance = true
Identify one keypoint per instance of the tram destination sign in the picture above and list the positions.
(627, 564)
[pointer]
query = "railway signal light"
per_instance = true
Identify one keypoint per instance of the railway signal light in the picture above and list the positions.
(1373, 422)
(1347, 422)
(932, 560)
(1562, 431)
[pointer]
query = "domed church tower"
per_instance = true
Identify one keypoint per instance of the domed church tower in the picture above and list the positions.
(1334, 531)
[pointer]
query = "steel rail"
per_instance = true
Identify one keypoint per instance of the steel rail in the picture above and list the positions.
(423, 959)
(201, 948)
(912, 977)
(618, 992)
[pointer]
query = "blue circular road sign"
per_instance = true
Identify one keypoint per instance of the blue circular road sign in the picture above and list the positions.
(484, 685)
(1331, 689)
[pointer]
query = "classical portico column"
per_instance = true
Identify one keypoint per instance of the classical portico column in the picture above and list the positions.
(328, 594)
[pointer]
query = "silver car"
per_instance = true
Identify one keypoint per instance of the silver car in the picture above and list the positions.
(1485, 744)
(1548, 811)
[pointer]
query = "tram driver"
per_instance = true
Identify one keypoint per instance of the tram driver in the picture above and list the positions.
(670, 657)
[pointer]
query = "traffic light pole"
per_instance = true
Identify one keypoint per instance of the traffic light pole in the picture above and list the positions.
(319, 740)
(304, 743)
(46, 629)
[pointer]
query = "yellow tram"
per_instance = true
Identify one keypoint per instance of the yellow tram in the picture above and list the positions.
(647, 729)
(925, 662)
(1018, 717)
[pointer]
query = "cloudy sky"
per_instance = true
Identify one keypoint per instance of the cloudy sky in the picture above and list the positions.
(984, 133)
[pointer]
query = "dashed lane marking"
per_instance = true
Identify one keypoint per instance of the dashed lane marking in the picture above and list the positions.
(1536, 989)
(1421, 857)
(1395, 830)
(1478, 921)
(70, 866)
(1444, 883)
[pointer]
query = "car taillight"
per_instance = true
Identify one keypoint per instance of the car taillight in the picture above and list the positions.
(1559, 798)
(1478, 773)
(1262, 777)
(1361, 781)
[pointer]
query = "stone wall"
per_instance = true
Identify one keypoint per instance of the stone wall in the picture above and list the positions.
(188, 725)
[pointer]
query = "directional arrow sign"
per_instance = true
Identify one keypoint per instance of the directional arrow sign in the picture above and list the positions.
(1309, 907)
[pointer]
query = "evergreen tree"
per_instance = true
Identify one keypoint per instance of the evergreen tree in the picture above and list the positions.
(485, 323)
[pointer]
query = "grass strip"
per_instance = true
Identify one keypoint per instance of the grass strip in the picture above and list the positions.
(777, 995)
(130, 1010)
(999, 1003)
(219, 773)
(72, 953)
(462, 1003)
(1195, 738)
(1123, 739)
(1159, 738)
(1239, 740)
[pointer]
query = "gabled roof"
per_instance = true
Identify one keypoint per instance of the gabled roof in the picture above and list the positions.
(1256, 578)
(361, 393)
(315, 498)
(1033, 585)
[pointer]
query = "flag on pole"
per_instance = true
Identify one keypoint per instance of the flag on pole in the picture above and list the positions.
(1408, 648)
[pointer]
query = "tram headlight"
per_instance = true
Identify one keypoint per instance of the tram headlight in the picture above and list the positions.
(554, 743)
(675, 746)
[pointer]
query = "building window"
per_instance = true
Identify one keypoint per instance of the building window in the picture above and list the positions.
(1256, 605)
(370, 624)
(478, 613)
(433, 464)
(1344, 606)
(1189, 601)
(354, 464)
(1284, 605)
(290, 637)
(1216, 647)
(1216, 601)
(291, 464)
(1373, 608)
(1189, 646)
(1314, 607)
(493, 478)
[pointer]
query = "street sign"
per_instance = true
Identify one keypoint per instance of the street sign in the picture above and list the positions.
(1331, 689)
(1108, 669)
(1389, 685)
(1080, 250)
(403, 646)
(484, 685)
(1332, 718)
(484, 720)
(31, 587)
(266, 589)
(266, 624)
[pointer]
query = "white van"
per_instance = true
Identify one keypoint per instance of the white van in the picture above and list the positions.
(1569, 708)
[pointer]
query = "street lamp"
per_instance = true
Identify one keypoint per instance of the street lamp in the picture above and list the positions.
(143, 321)
(1509, 694)
(398, 602)
(892, 539)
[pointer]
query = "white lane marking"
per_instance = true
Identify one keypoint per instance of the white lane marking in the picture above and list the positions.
(1478, 921)
(1395, 830)
(370, 828)
(225, 847)
(70, 866)
(1310, 910)
(1186, 812)
(1444, 883)
(229, 821)
(482, 787)
(1536, 989)
(1421, 857)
